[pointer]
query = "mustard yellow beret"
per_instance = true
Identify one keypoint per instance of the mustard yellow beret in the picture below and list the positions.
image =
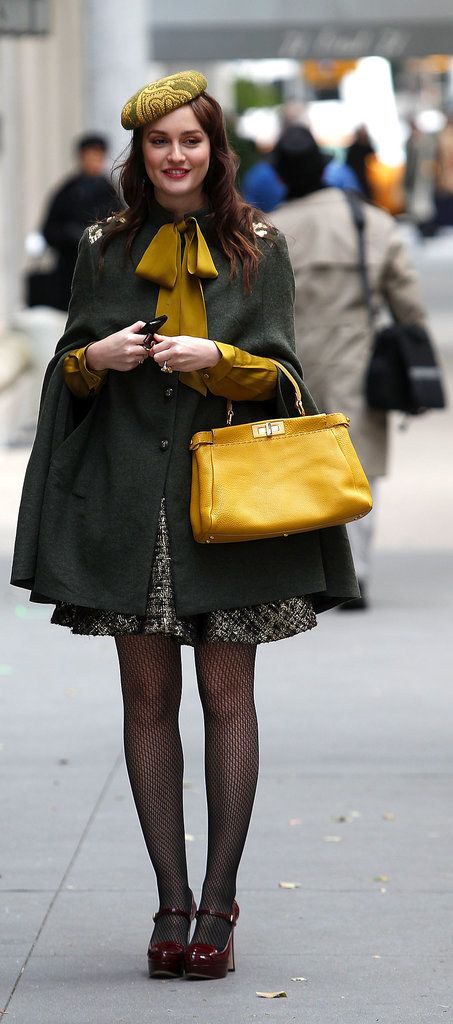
(159, 98)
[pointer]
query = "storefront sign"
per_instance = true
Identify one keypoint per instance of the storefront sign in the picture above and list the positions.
(188, 43)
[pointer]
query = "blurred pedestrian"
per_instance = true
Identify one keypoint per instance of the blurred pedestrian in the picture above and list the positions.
(337, 174)
(261, 185)
(419, 180)
(444, 174)
(104, 529)
(357, 156)
(333, 331)
(81, 200)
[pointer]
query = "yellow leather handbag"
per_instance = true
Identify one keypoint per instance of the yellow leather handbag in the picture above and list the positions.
(275, 477)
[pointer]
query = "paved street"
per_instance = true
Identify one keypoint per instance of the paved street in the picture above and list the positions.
(353, 804)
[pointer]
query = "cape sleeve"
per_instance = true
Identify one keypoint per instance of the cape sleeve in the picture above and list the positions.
(81, 325)
(59, 413)
(272, 336)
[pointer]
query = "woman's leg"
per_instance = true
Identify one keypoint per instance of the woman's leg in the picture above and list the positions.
(151, 682)
(225, 673)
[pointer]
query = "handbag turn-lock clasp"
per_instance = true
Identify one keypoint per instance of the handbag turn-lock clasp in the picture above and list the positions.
(268, 429)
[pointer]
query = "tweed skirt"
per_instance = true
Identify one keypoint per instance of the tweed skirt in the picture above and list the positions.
(255, 624)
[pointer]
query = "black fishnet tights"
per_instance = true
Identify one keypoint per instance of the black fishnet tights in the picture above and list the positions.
(151, 685)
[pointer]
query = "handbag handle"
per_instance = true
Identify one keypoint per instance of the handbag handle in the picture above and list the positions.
(297, 393)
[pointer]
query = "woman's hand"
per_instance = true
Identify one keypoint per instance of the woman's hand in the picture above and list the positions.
(184, 353)
(121, 351)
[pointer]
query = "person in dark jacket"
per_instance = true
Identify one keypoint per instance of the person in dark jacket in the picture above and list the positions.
(357, 154)
(83, 199)
(104, 528)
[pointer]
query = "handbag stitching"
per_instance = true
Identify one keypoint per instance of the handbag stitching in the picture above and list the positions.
(212, 492)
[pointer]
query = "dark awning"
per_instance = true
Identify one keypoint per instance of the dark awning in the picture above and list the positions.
(188, 42)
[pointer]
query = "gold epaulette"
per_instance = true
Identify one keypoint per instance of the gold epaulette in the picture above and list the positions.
(95, 231)
(260, 229)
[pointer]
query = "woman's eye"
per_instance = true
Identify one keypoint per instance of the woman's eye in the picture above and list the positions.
(156, 141)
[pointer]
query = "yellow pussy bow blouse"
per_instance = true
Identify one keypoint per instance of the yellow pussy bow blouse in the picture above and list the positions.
(179, 274)
(177, 260)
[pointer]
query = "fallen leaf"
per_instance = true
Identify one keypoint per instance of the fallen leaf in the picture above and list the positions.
(298, 979)
(332, 839)
(289, 885)
(381, 878)
(272, 995)
(389, 816)
(295, 821)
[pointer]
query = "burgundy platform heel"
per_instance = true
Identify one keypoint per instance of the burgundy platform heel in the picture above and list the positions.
(204, 961)
(166, 959)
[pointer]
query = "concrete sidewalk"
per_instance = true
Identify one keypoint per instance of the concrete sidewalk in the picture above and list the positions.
(356, 722)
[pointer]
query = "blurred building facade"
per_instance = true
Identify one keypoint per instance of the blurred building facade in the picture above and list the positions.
(66, 66)
(40, 111)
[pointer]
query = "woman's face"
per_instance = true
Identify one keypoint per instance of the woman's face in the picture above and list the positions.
(176, 154)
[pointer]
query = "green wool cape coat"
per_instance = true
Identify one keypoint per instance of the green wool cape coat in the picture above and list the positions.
(100, 467)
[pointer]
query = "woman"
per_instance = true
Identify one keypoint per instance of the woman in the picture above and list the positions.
(104, 529)
(333, 330)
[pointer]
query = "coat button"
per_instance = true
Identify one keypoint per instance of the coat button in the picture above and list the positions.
(164, 444)
(206, 376)
(168, 392)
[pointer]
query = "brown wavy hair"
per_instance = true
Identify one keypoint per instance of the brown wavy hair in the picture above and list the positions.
(231, 216)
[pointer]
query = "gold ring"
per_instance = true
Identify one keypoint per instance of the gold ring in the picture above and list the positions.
(166, 368)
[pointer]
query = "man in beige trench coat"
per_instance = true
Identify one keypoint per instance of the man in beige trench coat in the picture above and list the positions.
(333, 332)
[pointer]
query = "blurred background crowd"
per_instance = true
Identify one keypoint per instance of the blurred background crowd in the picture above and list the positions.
(376, 91)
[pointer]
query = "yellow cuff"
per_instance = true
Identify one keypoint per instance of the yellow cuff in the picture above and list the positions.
(82, 381)
(241, 376)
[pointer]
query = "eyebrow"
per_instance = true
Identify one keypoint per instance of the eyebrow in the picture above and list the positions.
(188, 131)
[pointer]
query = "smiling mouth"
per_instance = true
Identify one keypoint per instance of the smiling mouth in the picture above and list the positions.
(176, 172)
